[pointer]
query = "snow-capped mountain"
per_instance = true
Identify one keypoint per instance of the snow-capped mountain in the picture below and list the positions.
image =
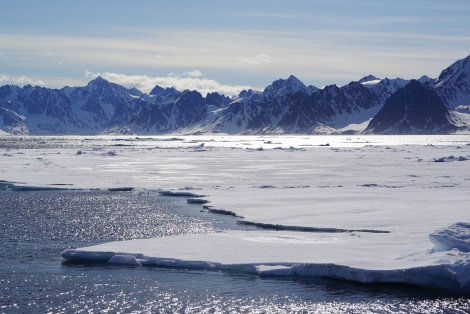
(285, 106)
(36, 110)
(289, 107)
(102, 104)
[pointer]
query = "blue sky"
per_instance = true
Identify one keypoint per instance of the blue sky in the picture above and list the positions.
(227, 45)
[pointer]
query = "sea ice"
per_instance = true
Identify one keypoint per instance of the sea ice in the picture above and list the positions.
(355, 184)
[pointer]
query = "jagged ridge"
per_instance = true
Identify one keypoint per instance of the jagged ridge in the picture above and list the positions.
(285, 106)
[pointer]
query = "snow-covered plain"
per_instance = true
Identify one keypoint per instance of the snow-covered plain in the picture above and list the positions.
(362, 208)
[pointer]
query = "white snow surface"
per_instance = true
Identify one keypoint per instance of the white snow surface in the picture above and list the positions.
(413, 187)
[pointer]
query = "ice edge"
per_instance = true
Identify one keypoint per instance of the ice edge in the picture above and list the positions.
(454, 277)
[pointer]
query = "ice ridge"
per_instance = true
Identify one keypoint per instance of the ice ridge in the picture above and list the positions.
(456, 236)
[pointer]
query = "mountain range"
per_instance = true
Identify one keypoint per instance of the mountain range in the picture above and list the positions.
(287, 106)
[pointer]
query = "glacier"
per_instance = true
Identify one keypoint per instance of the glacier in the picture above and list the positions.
(342, 185)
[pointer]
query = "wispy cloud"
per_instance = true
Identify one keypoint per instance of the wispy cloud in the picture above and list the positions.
(194, 73)
(318, 57)
(192, 80)
(257, 60)
(19, 80)
(247, 42)
(173, 50)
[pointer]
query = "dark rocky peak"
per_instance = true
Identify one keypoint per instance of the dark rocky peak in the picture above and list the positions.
(353, 85)
(98, 84)
(413, 88)
(190, 97)
(329, 89)
(395, 83)
(368, 78)
(27, 87)
(217, 99)
(9, 92)
(105, 88)
(425, 79)
(157, 90)
(248, 93)
(312, 89)
(190, 107)
(289, 86)
(102, 90)
(135, 92)
(412, 109)
(164, 93)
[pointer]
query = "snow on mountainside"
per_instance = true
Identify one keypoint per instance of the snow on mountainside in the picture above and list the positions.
(102, 104)
(288, 106)
(285, 106)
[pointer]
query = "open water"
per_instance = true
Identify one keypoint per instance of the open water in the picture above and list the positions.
(36, 226)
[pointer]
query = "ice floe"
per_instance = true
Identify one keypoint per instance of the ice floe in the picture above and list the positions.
(276, 254)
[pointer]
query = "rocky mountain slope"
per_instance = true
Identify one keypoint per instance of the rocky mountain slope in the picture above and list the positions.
(412, 109)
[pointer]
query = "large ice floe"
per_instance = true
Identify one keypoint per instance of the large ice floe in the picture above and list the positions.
(362, 209)
(333, 255)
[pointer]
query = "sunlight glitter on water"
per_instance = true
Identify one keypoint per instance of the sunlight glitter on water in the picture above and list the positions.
(41, 224)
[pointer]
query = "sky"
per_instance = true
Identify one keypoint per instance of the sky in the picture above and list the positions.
(227, 46)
